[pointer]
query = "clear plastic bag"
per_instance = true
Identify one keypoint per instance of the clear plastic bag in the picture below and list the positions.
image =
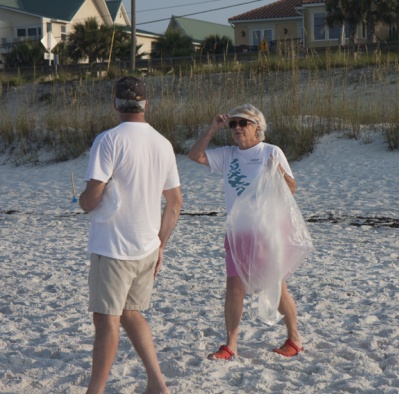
(109, 204)
(268, 238)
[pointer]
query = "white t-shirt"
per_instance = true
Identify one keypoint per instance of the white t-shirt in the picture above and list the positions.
(240, 167)
(143, 164)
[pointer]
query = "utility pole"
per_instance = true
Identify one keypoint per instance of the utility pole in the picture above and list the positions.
(133, 37)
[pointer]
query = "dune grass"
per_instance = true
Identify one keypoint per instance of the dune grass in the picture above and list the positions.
(302, 97)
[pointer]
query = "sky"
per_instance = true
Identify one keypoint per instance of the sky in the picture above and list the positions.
(216, 11)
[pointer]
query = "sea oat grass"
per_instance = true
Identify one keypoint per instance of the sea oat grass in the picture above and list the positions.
(302, 94)
(391, 134)
(184, 104)
(7, 135)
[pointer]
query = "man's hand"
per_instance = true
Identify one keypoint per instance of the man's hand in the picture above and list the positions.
(159, 262)
(170, 215)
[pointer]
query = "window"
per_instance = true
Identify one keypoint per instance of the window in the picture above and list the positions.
(364, 30)
(319, 25)
(29, 32)
(21, 32)
(49, 27)
(347, 30)
(334, 33)
(268, 35)
(63, 33)
(324, 32)
(258, 35)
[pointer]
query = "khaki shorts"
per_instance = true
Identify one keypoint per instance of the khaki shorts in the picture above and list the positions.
(115, 285)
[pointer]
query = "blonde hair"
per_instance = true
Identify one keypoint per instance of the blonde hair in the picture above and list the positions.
(248, 111)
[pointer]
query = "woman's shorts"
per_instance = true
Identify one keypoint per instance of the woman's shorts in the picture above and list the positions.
(115, 285)
(230, 266)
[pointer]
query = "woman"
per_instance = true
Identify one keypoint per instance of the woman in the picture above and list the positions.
(240, 165)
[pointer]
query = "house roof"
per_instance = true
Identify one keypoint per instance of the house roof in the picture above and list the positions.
(199, 30)
(113, 7)
(57, 9)
(146, 33)
(278, 9)
(312, 2)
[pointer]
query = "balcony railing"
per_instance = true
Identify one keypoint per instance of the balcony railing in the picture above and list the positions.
(8, 42)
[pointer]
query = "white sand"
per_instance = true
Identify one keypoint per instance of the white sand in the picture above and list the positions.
(347, 291)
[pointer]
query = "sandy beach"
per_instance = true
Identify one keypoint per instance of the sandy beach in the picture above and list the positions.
(347, 290)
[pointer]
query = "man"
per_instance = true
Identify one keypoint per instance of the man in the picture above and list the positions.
(127, 250)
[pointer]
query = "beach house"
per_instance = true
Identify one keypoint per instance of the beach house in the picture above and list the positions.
(33, 19)
(198, 30)
(299, 21)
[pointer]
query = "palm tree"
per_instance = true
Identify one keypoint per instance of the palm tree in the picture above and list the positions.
(352, 12)
(27, 53)
(121, 46)
(62, 51)
(173, 44)
(215, 44)
(388, 11)
(372, 17)
(88, 40)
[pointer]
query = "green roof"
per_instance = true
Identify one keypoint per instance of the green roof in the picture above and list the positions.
(199, 30)
(113, 7)
(147, 32)
(57, 9)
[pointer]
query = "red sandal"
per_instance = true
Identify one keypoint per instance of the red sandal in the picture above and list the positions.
(224, 353)
(289, 349)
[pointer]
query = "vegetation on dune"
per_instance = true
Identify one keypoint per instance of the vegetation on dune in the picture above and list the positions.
(301, 98)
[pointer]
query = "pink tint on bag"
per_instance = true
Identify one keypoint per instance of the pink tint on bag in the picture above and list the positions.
(244, 252)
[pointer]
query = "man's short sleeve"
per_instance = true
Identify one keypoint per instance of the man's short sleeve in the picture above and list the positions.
(100, 165)
(172, 179)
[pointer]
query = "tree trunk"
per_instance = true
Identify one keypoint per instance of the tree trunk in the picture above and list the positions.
(371, 37)
(342, 36)
(353, 38)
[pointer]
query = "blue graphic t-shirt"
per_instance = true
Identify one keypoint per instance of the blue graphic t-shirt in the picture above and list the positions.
(240, 167)
(235, 178)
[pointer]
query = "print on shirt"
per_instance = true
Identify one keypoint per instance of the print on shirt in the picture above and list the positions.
(235, 178)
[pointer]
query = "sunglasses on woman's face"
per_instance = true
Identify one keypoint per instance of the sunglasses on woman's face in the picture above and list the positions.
(242, 123)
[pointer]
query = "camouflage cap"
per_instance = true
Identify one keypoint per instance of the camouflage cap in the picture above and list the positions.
(130, 88)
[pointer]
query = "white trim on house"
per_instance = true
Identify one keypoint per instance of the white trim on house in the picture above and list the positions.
(311, 5)
(293, 18)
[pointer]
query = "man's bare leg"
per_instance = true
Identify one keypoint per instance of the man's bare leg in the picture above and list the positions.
(139, 333)
(104, 350)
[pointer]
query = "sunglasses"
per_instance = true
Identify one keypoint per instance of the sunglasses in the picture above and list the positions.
(242, 123)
